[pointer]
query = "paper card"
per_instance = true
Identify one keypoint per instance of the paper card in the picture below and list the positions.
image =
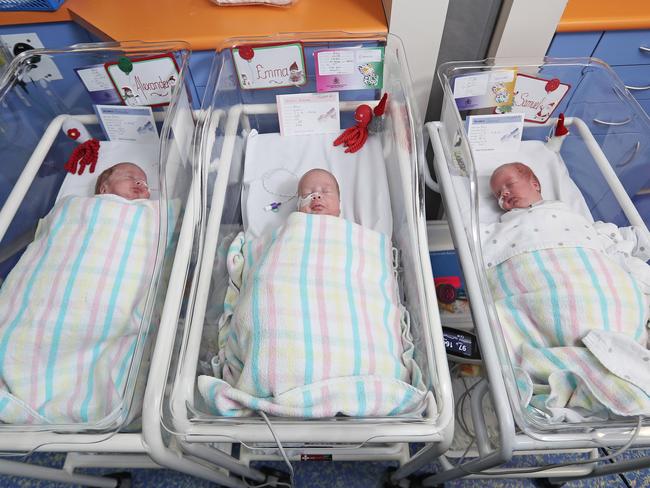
(349, 69)
(270, 66)
(487, 89)
(144, 81)
(134, 124)
(501, 132)
(308, 113)
(98, 84)
(537, 98)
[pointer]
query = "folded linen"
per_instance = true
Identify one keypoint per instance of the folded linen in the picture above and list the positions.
(312, 326)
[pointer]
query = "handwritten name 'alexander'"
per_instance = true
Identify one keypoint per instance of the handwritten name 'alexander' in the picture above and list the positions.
(153, 85)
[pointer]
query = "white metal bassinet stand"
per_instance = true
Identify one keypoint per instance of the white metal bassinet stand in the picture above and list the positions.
(176, 425)
(34, 150)
(606, 157)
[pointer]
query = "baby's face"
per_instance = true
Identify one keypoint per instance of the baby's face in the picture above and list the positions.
(325, 196)
(514, 190)
(127, 181)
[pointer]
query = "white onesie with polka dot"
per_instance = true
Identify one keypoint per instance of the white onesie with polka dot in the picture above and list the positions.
(552, 224)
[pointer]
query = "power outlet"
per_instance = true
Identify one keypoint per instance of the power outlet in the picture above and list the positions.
(42, 67)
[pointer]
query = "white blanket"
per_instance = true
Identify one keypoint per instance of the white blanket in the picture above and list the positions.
(71, 310)
(562, 289)
(313, 326)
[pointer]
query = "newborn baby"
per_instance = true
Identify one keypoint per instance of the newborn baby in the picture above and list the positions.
(318, 193)
(123, 179)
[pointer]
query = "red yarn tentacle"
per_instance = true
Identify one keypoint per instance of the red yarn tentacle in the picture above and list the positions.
(71, 165)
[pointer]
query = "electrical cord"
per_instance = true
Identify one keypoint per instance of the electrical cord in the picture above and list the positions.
(282, 453)
(460, 417)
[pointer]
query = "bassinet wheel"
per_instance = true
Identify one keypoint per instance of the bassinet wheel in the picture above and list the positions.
(123, 479)
(409, 482)
(548, 483)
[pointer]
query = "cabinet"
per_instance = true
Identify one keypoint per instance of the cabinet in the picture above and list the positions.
(620, 131)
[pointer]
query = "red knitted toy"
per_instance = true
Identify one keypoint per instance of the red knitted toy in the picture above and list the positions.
(353, 138)
(86, 153)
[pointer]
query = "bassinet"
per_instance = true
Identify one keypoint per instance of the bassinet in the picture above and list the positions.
(35, 148)
(231, 112)
(605, 154)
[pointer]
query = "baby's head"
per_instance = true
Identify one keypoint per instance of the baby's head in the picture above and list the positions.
(124, 179)
(318, 193)
(515, 185)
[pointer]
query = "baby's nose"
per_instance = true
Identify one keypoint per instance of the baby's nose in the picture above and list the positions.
(317, 196)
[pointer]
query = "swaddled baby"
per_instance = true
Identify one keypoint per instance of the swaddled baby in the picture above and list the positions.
(519, 192)
(312, 323)
(572, 298)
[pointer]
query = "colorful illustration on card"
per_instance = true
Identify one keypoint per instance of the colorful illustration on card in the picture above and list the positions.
(349, 69)
(485, 89)
(147, 81)
(270, 66)
(537, 98)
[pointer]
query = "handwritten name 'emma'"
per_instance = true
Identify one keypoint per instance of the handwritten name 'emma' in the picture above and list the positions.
(272, 73)
(154, 85)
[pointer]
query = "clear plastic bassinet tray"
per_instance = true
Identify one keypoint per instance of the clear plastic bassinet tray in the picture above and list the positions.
(84, 275)
(558, 261)
(249, 165)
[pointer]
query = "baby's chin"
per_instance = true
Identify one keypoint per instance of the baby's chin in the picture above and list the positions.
(322, 211)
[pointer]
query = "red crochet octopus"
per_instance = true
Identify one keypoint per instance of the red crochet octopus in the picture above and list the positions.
(85, 154)
(353, 138)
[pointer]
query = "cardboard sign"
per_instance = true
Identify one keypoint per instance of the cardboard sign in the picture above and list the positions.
(308, 113)
(270, 66)
(349, 69)
(132, 124)
(501, 132)
(98, 84)
(486, 89)
(144, 81)
(537, 98)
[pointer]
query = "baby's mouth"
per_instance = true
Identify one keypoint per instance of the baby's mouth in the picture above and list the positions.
(317, 208)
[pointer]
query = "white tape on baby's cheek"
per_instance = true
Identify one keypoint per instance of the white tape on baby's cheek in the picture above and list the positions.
(501, 199)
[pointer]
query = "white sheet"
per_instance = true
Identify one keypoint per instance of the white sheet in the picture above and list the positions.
(547, 165)
(110, 153)
(277, 163)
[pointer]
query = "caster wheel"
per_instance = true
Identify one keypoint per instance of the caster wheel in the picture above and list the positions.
(123, 479)
(548, 483)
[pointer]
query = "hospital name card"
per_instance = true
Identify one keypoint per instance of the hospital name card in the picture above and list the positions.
(308, 113)
(349, 69)
(501, 132)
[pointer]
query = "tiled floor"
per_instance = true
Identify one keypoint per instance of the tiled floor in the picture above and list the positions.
(334, 475)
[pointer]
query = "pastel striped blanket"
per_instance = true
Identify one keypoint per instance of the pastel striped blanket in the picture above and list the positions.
(547, 302)
(313, 327)
(71, 310)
